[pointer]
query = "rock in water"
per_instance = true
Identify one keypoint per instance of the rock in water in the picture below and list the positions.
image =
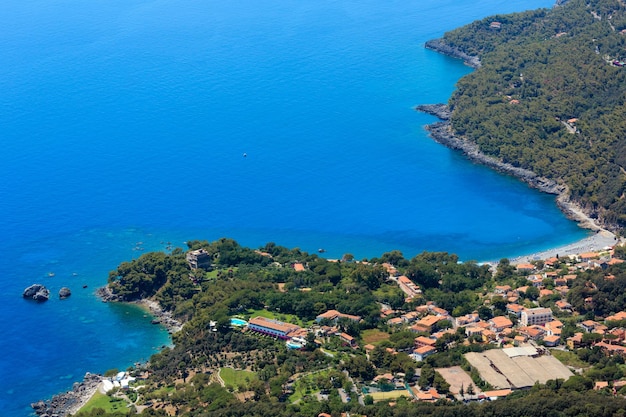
(37, 292)
(64, 293)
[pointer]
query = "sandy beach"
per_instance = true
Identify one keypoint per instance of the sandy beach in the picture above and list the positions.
(600, 240)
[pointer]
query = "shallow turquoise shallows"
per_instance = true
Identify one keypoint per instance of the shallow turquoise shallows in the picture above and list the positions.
(128, 124)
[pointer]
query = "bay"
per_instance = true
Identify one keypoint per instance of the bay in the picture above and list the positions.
(125, 125)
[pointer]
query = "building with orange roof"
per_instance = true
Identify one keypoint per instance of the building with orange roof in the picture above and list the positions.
(298, 267)
(408, 287)
(438, 311)
(525, 267)
(616, 317)
(347, 339)
(396, 321)
(532, 332)
(334, 315)
(495, 394)
(499, 323)
(272, 328)
(467, 319)
(424, 341)
(474, 331)
(552, 341)
(423, 352)
(502, 289)
(545, 292)
(587, 256)
(588, 325)
(420, 328)
(516, 309)
(575, 341)
(554, 327)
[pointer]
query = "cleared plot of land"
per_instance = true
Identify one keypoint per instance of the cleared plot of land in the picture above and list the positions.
(378, 396)
(237, 378)
(374, 336)
(502, 371)
(569, 358)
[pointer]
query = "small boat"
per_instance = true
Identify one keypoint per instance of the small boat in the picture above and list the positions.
(321, 250)
(50, 274)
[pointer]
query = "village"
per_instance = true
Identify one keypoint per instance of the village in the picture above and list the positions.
(520, 344)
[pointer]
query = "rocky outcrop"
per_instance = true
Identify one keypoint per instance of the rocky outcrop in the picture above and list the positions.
(441, 111)
(106, 295)
(69, 402)
(441, 46)
(64, 293)
(37, 292)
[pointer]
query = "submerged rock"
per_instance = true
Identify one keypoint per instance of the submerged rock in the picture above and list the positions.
(64, 292)
(37, 292)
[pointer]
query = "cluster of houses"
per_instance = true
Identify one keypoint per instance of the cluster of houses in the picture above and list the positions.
(525, 326)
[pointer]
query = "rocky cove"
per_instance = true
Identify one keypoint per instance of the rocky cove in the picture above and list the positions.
(442, 133)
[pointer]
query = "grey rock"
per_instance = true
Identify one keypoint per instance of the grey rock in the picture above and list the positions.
(37, 292)
(441, 46)
(64, 292)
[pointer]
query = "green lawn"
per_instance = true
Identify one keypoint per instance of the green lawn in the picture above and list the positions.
(105, 402)
(287, 318)
(237, 378)
(568, 358)
(378, 396)
(373, 336)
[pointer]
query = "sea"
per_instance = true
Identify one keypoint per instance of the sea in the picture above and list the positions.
(129, 126)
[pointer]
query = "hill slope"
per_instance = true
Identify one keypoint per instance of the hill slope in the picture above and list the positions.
(550, 97)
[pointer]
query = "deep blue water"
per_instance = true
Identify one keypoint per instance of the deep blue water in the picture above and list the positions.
(126, 121)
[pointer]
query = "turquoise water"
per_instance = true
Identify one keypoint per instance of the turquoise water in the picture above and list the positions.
(125, 124)
(292, 345)
(238, 322)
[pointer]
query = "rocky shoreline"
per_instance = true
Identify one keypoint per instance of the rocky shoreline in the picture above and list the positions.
(439, 45)
(71, 401)
(442, 133)
(161, 316)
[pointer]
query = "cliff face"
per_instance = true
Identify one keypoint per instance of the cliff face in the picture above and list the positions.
(439, 45)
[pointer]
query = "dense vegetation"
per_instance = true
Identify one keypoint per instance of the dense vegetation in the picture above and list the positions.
(541, 69)
(280, 382)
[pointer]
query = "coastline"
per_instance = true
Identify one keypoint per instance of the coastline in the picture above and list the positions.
(595, 243)
(70, 402)
(161, 316)
(442, 133)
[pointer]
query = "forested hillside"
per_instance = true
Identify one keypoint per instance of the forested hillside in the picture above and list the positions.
(550, 97)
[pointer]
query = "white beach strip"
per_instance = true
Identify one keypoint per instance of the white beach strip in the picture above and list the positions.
(594, 243)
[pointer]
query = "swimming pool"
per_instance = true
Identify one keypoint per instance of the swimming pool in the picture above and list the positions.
(238, 322)
(293, 345)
